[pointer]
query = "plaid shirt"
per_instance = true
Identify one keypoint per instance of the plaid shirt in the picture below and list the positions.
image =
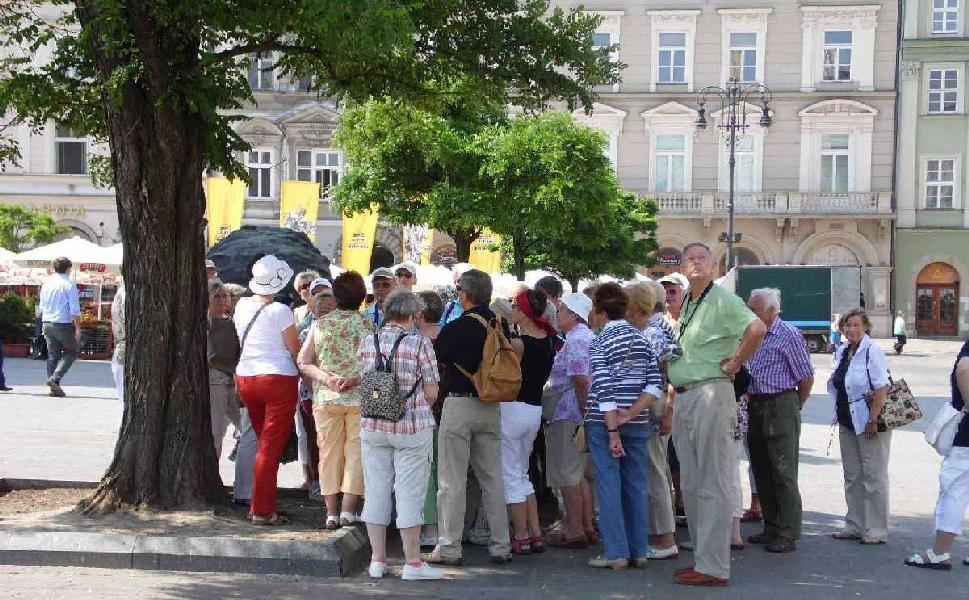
(782, 360)
(415, 360)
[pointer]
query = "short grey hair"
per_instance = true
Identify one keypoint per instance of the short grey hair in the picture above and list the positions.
(660, 292)
(216, 285)
(401, 305)
(771, 296)
(303, 276)
(236, 290)
(477, 285)
(697, 245)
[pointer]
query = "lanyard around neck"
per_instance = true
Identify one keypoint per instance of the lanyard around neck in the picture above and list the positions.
(687, 303)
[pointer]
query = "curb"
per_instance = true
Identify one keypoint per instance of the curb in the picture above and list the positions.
(338, 556)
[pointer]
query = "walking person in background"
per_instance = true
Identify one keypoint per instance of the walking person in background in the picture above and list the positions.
(266, 377)
(899, 332)
(396, 463)
(835, 333)
(626, 382)
(521, 419)
(950, 508)
(718, 334)
(329, 359)
(860, 371)
(566, 465)
(118, 331)
(781, 380)
(61, 308)
(223, 356)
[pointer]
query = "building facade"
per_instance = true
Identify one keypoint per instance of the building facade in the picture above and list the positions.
(932, 235)
(813, 188)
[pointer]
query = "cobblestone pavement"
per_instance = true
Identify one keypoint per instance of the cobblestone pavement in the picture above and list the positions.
(72, 438)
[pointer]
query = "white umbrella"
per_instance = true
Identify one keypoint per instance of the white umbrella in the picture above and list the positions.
(78, 250)
(6, 255)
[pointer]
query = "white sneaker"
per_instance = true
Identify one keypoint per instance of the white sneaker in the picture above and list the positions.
(425, 571)
(663, 553)
(377, 570)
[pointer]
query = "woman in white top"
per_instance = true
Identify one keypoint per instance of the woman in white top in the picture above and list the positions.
(861, 371)
(266, 377)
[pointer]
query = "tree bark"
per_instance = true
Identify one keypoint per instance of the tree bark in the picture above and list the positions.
(518, 247)
(165, 456)
(463, 238)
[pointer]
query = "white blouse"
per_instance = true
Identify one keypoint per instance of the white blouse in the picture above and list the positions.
(868, 360)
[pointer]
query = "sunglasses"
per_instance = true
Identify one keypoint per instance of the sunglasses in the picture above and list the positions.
(303, 287)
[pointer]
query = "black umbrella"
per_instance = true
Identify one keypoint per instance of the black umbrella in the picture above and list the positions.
(234, 255)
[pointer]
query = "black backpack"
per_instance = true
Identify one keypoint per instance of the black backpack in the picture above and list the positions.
(380, 396)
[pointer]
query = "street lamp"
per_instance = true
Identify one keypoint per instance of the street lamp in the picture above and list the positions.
(733, 124)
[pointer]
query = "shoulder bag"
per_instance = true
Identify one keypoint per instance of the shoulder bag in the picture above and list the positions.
(901, 407)
(942, 432)
(380, 396)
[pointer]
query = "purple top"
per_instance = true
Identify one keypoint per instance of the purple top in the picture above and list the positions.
(571, 360)
(782, 360)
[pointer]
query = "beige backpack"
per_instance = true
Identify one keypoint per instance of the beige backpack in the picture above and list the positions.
(499, 377)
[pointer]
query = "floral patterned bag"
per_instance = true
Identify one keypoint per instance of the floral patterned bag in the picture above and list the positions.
(901, 407)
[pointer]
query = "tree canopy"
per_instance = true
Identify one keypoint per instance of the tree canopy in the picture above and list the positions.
(21, 228)
(163, 82)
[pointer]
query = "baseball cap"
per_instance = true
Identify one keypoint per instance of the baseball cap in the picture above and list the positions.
(408, 266)
(320, 282)
(210, 264)
(676, 279)
(382, 272)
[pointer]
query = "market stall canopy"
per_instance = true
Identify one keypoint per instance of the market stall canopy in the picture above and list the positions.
(7, 255)
(85, 255)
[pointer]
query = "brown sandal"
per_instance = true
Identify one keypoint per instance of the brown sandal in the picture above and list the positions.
(270, 520)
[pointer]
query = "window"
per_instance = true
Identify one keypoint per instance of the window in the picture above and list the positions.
(262, 73)
(321, 166)
(837, 56)
(940, 183)
(834, 162)
(945, 16)
(672, 58)
(260, 165)
(943, 90)
(743, 56)
(670, 157)
(601, 39)
(71, 150)
(745, 165)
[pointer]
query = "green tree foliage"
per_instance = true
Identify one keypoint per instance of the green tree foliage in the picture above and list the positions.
(15, 316)
(418, 166)
(564, 209)
(21, 228)
(163, 81)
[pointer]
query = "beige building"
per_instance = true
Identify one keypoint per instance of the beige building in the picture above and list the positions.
(813, 188)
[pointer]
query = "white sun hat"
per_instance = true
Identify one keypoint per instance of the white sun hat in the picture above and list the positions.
(269, 276)
(580, 304)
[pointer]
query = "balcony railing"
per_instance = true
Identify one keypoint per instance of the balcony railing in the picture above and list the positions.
(833, 202)
(774, 203)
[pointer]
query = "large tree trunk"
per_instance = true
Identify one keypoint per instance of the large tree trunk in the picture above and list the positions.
(164, 457)
(463, 238)
(518, 249)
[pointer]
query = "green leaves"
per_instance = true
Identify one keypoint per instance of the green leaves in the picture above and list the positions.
(21, 228)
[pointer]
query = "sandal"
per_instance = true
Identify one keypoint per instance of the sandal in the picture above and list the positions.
(930, 560)
(751, 516)
(332, 522)
(538, 545)
(347, 519)
(521, 546)
(845, 535)
(269, 520)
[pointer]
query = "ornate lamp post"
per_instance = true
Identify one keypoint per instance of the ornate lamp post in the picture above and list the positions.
(733, 125)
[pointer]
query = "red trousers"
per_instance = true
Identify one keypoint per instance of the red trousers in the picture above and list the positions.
(271, 402)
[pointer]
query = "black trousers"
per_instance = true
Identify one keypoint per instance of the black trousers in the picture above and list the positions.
(773, 440)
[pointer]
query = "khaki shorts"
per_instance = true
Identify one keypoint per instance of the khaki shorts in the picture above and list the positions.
(565, 467)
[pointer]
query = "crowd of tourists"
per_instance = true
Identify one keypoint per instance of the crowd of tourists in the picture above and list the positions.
(634, 403)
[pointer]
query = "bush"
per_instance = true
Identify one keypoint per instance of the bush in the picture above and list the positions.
(15, 319)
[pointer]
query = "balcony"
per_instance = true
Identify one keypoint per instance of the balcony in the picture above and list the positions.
(709, 204)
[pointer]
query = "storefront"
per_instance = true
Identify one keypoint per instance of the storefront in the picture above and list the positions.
(932, 281)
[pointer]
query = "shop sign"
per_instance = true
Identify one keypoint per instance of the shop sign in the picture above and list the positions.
(93, 267)
(669, 259)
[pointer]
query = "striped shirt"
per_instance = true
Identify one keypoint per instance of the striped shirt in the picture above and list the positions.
(782, 360)
(622, 368)
(415, 361)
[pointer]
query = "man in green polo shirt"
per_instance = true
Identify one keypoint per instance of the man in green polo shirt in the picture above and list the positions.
(718, 334)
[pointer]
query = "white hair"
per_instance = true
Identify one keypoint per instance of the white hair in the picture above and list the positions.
(771, 296)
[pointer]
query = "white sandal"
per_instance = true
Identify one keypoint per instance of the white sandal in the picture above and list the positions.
(930, 560)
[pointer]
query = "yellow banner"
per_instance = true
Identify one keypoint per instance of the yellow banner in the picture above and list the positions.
(485, 254)
(359, 231)
(298, 206)
(226, 200)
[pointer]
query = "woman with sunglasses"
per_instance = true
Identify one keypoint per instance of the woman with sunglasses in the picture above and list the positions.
(302, 283)
(406, 274)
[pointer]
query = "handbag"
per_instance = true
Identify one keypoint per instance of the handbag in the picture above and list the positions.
(380, 396)
(901, 407)
(942, 432)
